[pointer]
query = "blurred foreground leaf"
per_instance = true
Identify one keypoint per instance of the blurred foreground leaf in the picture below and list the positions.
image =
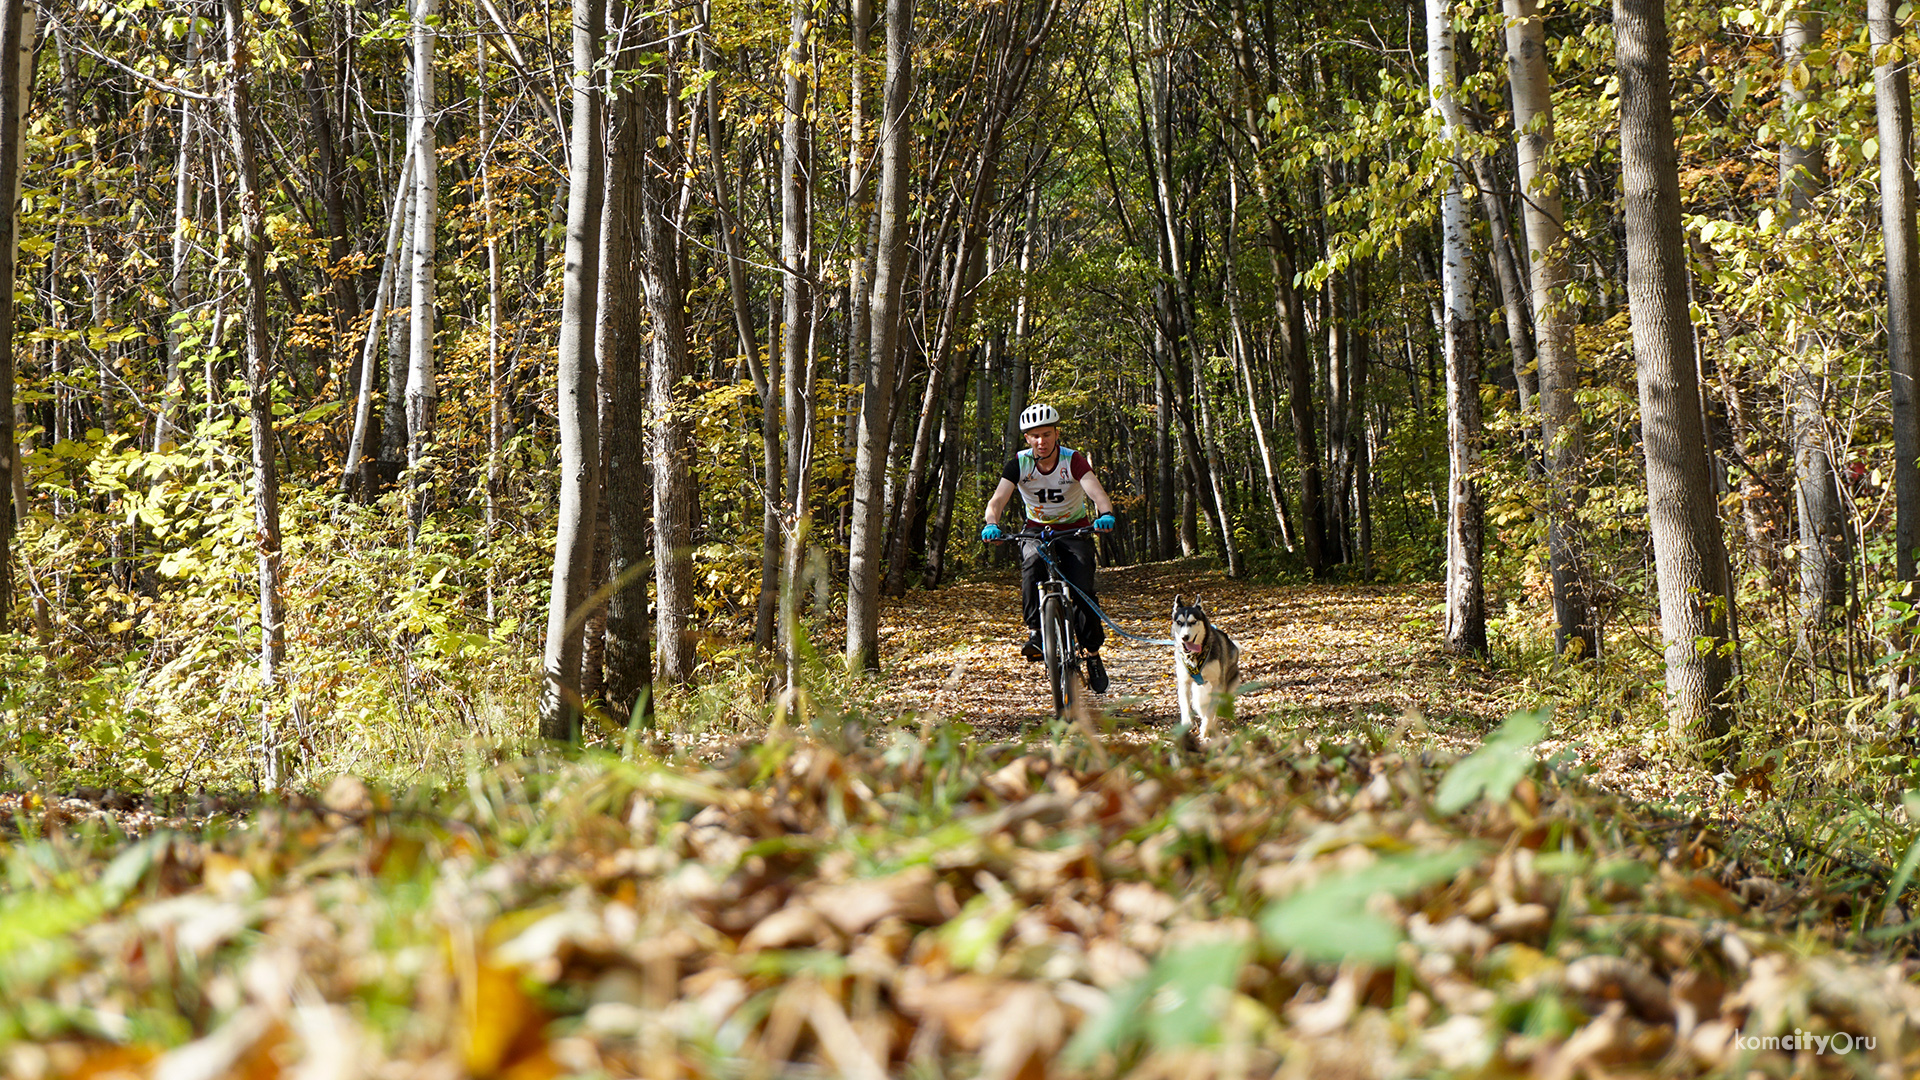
(1496, 767)
(1329, 920)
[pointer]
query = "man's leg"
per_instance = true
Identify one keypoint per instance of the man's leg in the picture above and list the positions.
(1077, 566)
(1033, 569)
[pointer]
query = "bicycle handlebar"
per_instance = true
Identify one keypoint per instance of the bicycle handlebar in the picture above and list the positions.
(1043, 533)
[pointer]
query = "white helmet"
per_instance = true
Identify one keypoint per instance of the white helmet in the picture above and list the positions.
(1038, 416)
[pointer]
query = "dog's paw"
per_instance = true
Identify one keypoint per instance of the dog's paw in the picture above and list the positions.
(1188, 739)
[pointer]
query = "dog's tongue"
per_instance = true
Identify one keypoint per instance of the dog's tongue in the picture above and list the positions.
(1193, 646)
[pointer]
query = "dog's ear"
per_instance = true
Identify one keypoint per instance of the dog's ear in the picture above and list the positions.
(1176, 601)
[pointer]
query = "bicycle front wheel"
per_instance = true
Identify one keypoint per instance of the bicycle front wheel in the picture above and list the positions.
(1056, 650)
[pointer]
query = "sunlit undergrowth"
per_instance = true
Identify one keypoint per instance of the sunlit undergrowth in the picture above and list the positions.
(402, 655)
(913, 901)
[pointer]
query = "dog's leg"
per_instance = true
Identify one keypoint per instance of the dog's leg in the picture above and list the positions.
(1180, 687)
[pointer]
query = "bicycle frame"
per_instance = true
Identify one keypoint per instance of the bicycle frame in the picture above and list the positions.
(1058, 648)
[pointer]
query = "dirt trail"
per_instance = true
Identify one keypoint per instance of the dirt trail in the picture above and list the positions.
(1336, 652)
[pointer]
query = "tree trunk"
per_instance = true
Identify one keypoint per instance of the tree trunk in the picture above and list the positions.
(166, 425)
(867, 526)
(1014, 52)
(1243, 357)
(1466, 614)
(1293, 339)
(496, 376)
(669, 421)
(578, 397)
(339, 283)
(1822, 549)
(1339, 448)
(1256, 85)
(1209, 438)
(16, 80)
(1165, 505)
(352, 474)
(1022, 374)
(861, 164)
(950, 438)
(259, 352)
(1689, 555)
(1359, 362)
(1175, 306)
(796, 282)
(421, 391)
(393, 417)
(749, 350)
(1506, 276)
(1561, 436)
(1893, 95)
(629, 638)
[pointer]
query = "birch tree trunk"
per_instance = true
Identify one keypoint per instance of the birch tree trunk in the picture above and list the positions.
(353, 473)
(578, 395)
(1466, 615)
(866, 537)
(796, 286)
(1562, 437)
(421, 392)
(1893, 96)
(259, 353)
(1689, 553)
(16, 79)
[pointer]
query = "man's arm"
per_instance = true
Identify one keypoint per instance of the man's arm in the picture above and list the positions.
(1090, 484)
(998, 504)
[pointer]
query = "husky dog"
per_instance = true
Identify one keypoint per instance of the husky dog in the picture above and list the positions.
(1206, 667)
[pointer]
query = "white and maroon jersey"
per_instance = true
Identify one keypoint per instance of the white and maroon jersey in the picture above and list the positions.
(1055, 498)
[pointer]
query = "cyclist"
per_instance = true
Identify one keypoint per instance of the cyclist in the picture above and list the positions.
(1060, 492)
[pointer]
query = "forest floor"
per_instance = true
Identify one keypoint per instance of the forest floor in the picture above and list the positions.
(1325, 661)
(1376, 876)
(1338, 654)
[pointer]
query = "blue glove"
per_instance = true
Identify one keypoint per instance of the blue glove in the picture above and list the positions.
(1103, 523)
(991, 533)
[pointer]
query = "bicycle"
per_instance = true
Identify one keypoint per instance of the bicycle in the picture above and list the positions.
(1058, 650)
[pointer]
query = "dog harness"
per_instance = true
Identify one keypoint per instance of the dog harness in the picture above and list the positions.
(1055, 498)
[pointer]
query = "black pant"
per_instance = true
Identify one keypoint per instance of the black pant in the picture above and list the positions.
(1075, 557)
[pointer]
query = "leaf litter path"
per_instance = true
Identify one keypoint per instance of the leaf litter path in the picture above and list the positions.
(1343, 652)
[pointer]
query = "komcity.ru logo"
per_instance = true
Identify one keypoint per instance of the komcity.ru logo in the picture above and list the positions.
(1838, 1043)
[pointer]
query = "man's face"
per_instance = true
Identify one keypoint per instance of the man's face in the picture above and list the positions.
(1043, 440)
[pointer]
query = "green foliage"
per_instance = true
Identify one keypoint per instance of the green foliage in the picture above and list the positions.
(1491, 771)
(1179, 1002)
(1329, 920)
